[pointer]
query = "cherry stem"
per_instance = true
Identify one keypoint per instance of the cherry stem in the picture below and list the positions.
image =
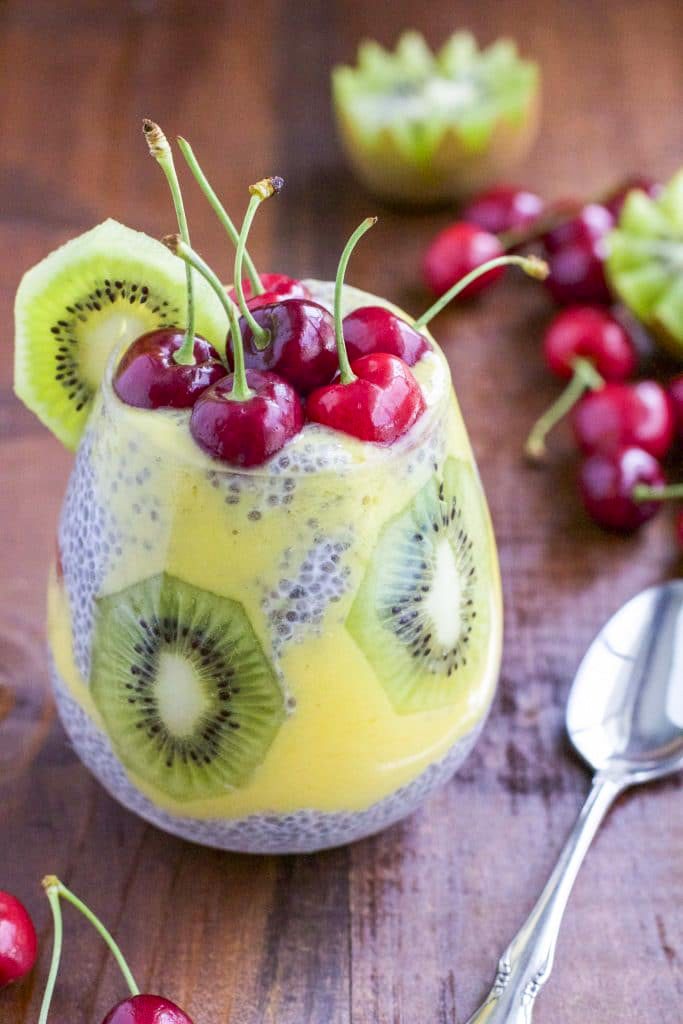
(545, 222)
(644, 492)
(55, 891)
(584, 377)
(240, 388)
(531, 265)
(220, 211)
(346, 374)
(263, 189)
(161, 151)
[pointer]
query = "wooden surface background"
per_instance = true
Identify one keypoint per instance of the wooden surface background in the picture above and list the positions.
(405, 927)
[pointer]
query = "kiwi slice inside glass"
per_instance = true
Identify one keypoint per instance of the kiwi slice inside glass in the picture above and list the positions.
(188, 697)
(421, 614)
(104, 288)
(645, 261)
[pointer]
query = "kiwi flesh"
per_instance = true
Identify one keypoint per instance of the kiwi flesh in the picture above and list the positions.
(421, 614)
(104, 288)
(189, 700)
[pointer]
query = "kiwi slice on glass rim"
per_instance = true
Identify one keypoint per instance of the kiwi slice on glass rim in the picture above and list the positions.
(424, 127)
(189, 700)
(421, 614)
(104, 288)
(645, 261)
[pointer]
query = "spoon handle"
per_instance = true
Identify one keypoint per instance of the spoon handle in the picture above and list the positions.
(526, 964)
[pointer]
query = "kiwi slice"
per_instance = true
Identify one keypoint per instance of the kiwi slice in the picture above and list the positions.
(421, 614)
(105, 287)
(645, 261)
(423, 126)
(188, 697)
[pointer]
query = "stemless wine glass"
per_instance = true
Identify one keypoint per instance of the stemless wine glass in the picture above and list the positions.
(280, 659)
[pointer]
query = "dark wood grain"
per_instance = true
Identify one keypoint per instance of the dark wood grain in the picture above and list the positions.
(405, 926)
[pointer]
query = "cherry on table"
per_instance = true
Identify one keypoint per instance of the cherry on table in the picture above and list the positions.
(607, 481)
(456, 251)
(18, 942)
(148, 377)
(246, 431)
(146, 1009)
(675, 390)
(617, 198)
(576, 252)
(594, 334)
(504, 208)
(379, 405)
(623, 415)
(300, 346)
(277, 288)
(371, 329)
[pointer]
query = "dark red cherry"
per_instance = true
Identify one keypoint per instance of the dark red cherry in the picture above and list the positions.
(594, 334)
(576, 251)
(456, 251)
(592, 221)
(18, 942)
(676, 396)
(607, 481)
(382, 403)
(617, 198)
(504, 208)
(278, 287)
(146, 1009)
(248, 432)
(376, 329)
(625, 415)
(302, 347)
(148, 377)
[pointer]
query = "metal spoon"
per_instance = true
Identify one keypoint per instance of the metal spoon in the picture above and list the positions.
(625, 718)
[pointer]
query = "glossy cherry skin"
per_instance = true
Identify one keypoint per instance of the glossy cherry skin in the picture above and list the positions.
(146, 1009)
(592, 333)
(18, 942)
(617, 199)
(149, 378)
(576, 251)
(278, 287)
(302, 347)
(625, 415)
(607, 481)
(676, 397)
(504, 208)
(376, 329)
(247, 433)
(382, 403)
(454, 252)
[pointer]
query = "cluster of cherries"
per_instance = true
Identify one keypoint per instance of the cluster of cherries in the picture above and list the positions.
(287, 359)
(19, 950)
(624, 428)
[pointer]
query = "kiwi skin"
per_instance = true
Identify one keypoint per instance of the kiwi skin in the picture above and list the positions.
(165, 647)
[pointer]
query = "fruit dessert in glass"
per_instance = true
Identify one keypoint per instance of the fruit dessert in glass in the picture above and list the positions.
(275, 617)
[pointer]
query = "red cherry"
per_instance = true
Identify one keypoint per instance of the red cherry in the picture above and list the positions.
(382, 403)
(376, 329)
(248, 432)
(617, 198)
(146, 1009)
(278, 287)
(504, 208)
(18, 942)
(607, 482)
(591, 333)
(676, 396)
(576, 251)
(456, 251)
(625, 415)
(148, 377)
(302, 346)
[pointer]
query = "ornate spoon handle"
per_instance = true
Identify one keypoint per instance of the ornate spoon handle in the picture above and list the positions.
(526, 964)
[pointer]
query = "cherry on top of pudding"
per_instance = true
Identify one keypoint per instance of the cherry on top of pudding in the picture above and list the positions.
(278, 287)
(149, 377)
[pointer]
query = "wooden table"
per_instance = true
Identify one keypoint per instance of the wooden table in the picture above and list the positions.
(405, 926)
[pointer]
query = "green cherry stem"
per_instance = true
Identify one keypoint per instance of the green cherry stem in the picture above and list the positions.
(263, 189)
(644, 492)
(584, 378)
(220, 211)
(531, 265)
(53, 898)
(240, 388)
(346, 374)
(161, 151)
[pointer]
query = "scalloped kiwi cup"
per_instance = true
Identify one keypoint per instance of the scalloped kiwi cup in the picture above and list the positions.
(278, 660)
